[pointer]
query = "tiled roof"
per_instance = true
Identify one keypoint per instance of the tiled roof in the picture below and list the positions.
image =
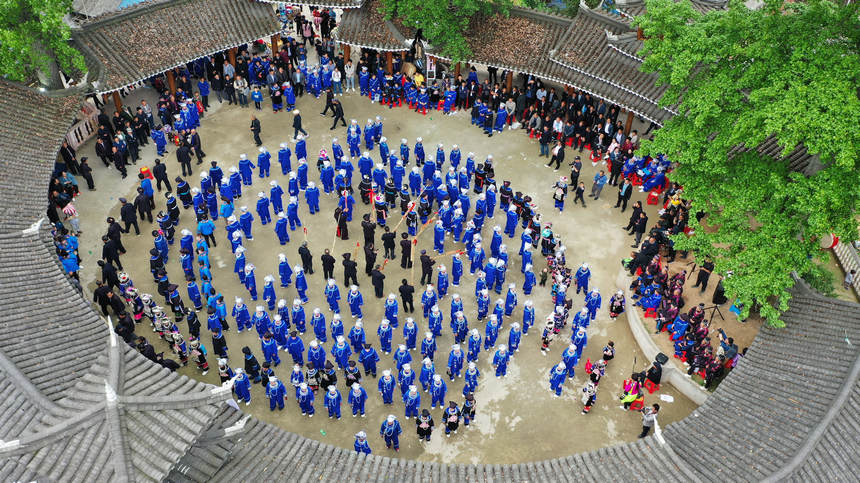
(602, 61)
(33, 128)
(124, 42)
(836, 455)
(519, 42)
(89, 407)
(762, 415)
(367, 27)
(798, 159)
(35, 334)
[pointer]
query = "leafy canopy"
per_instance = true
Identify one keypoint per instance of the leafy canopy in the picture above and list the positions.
(443, 22)
(788, 70)
(33, 35)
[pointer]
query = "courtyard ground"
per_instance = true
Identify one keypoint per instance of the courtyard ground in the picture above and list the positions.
(517, 420)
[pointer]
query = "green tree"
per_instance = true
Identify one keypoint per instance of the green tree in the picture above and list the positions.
(788, 70)
(33, 36)
(443, 21)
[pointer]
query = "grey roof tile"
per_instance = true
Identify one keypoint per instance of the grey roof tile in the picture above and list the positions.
(367, 27)
(40, 124)
(122, 41)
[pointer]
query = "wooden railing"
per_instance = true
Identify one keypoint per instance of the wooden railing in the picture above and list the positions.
(849, 260)
(86, 126)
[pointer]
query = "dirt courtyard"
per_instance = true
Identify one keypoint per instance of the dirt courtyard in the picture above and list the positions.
(518, 420)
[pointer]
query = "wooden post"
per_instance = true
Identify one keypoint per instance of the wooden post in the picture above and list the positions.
(629, 123)
(346, 52)
(457, 70)
(389, 62)
(231, 56)
(117, 100)
(171, 82)
(276, 39)
(510, 80)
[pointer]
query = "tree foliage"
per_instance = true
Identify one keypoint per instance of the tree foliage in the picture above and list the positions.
(33, 36)
(443, 21)
(789, 70)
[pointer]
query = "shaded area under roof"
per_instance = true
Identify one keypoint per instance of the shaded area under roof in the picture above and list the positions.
(322, 3)
(30, 137)
(123, 43)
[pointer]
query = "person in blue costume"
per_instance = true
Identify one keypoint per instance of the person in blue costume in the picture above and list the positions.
(361, 445)
(557, 376)
(384, 332)
(510, 300)
(242, 386)
(332, 402)
(341, 352)
(264, 162)
(500, 361)
(390, 431)
(368, 358)
(357, 337)
(579, 339)
(514, 337)
(582, 275)
(428, 345)
(593, 302)
(386, 385)
(438, 389)
(406, 377)
(305, 398)
(455, 362)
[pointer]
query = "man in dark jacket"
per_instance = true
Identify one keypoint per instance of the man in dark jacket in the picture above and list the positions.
(255, 130)
(159, 172)
(329, 96)
(327, 264)
(639, 228)
(297, 124)
(377, 278)
(103, 151)
(146, 349)
(100, 296)
(426, 267)
(369, 258)
(183, 155)
(128, 216)
(116, 303)
(109, 276)
(405, 251)
(369, 228)
(349, 270)
(141, 202)
(307, 259)
(388, 238)
(197, 146)
(624, 193)
(337, 107)
(114, 232)
(406, 293)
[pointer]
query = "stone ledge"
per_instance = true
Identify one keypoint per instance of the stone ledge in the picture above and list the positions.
(671, 373)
